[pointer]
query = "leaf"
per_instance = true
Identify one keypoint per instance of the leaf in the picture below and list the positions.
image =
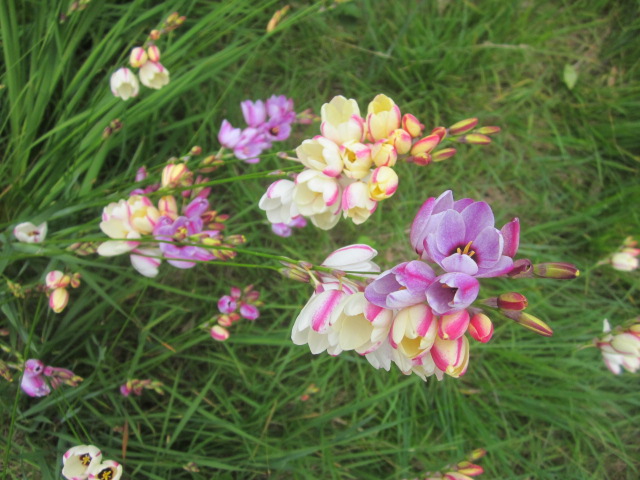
(570, 76)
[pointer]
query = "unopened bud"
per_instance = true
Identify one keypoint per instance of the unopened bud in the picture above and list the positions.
(443, 154)
(512, 301)
(425, 145)
(412, 125)
(275, 19)
(58, 299)
(141, 174)
(470, 469)
(172, 18)
(175, 174)
(530, 322)
(181, 19)
(219, 333)
(75, 280)
(138, 57)
(522, 268)
(463, 126)
(489, 130)
(384, 154)
(383, 183)
(477, 454)
(421, 159)
(401, 140)
(295, 274)
(440, 131)
(481, 328)
(168, 206)
(5, 372)
(556, 270)
(224, 320)
(196, 150)
(153, 52)
(474, 139)
(154, 34)
(235, 239)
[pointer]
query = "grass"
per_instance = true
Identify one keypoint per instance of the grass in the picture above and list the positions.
(566, 163)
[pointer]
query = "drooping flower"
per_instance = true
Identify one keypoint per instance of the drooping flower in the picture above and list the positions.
(124, 84)
(78, 461)
(154, 75)
(27, 232)
(620, 350)
(33, 382)
(278, 203)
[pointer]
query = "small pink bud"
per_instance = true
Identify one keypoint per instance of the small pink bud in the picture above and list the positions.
(530, 322)
(153, 52)
(477, 454)
(481, 328)
(383, 183)
(141, 174)
(295, 274)
(425, 145)
(453, 326)
(58, 299)
(440, 131)
(224, 320)
(488, 130)
(421, 159)
(75, 280)
(412, 125)
(512, 301)
(443, 154)
(138, 57)
(470, 469)
(168, 206)
(401, 140)
(219, 333)
(155, 34)
(463, 126)
(195, 150)
(474, 139)
(556, 270)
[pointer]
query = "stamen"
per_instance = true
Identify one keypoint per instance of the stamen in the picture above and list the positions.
(85, 459)
(274, 130)
(106, 474)
(467, 250)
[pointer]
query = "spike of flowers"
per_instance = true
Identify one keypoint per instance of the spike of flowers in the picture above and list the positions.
(416, 315)
(347, 155)
(240, 303)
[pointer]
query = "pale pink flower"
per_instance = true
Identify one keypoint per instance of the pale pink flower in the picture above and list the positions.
(27, 232)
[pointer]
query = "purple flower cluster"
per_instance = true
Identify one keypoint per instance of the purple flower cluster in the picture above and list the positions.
(267, 122)
(461, 239)
(286, 229)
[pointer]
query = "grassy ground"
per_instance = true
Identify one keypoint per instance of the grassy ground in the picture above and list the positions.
(566, 163)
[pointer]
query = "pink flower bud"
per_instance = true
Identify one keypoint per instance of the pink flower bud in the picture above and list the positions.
(138, 57)
(225, 320)
(75, 280)
(477, 454)
(412, 125)
(58, 299)
(474, 139)
(530, 322)
(443, 154)
(383, 183)
(384, 154)
(470, 469)
(141, 174)
(556, 270)
(481, 328)
(196, 150)
(440, 132)
(219, 333)
(153, 52)
(155, 34)
(57, 279)
(463, 126)
(425, 145)
(401, 140)
(168, 206)
(489, 130)
(451, 356)
(453, 326)
(512, 301)
(175, 174)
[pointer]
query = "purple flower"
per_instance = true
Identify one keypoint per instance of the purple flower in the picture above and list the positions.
(452, 292)
(171, 233)
(281, 229)
(227, 304)
(254, 113)
(248, 311)
(402, 286)
(461, 237)
(228, 136)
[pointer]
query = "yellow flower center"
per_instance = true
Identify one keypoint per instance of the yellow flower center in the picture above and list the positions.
(181, 234)
(85, 459)
(467, 250)
(106, 474)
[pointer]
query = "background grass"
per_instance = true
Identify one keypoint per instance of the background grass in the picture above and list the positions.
(566, 163)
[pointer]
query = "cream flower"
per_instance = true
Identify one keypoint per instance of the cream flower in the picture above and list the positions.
(77, 461)
(27, 232)
(341, 120)
(277, 202)
(357, 204)
(383, 117)
(154, 75)
(315, 192)
(107, 470)
(124, 84)
(321, 154)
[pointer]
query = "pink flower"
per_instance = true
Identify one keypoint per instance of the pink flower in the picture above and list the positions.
(227, 304)
(402, 286)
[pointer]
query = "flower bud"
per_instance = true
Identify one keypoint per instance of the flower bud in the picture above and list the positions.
(295, 274)
(477, 454)
(384, 154)
(58, 299)
(412, 125)
(481, 328)
(141, 174)
(155, 34)
(470, 469)
(57, 279)
(529, 321)
(512, 301)
(224, 320)
(153, 52)
(235, 239)
(463, 126)
(173, 18)
(401, 140)
(624, 261)
(453, 326)
(474, 139)
(556, 270)
(522, 268)
(488, 130)
(383, 183)
(175, 174)
(138, 57)
(425, 145)
(421, 159)
(275, 19)
(195, 150)
(219, 333)
(168, 207)
(440, 132)
(75, 280)
(443, 154)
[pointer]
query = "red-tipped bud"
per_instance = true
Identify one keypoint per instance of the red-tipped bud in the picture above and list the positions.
(295, 274)
(224, 320)
(425, 145)
(470, 469)
(463, 126)
(488, 130)
(481, 328)
(155, 34)
(474, 139)
(235, 239)
(153, 52)
(138, 57)
(421, 159)
(412, 125)
(443, 154)
(522, 268)
(401, 140)
(477, 454)
(556, 270)
(453, 326)
(219, 333)
(512, 301)
(440, 131)
(195, 150)
(530, 322)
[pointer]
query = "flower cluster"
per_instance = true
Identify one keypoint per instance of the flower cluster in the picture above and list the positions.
(463, 470)
(136, 386)
(620, 349)
(416, 315)
(57, 283)
(285, 229)
(267, 122)
(33, 379)
(27, 232)
(182, 236)
(349, 167)
(152, 74)
(84, 462)
(241, 303)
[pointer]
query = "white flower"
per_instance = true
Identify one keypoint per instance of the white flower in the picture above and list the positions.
(352, 258)
(27, 232)
(356, 202)
(154, 75)
(146, 261)
(321, 154)
(315, 193)
(107, 470)
(277, 202)
(77, 461)
(622, 350)
(624, 261)
(383, 117)
(124, 84)
(341, 120)
(357, 159)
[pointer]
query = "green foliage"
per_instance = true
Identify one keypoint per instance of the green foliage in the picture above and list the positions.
(566, 163)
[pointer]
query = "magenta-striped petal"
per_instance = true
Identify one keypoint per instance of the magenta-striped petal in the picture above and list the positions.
(511, 235)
